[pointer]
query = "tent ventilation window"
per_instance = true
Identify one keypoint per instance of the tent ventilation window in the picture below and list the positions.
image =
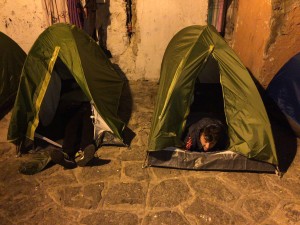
(129, 18)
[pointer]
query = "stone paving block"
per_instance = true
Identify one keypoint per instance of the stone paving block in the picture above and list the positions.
(109, 171)
(135, 153)
(169, 193)
(292, 212)
(57, 177)
(293, 172)
(258, 207)
(293, 185)
(18, 207)
(85, 197)
(141, 138)
(201, 174)
(141, 120)
(251, 182)
(21, 188)
(165, 217)
(282, 187)
(288, 213)
(51, 215)
(7, 150)
(110, 218)
(134, 171)
(139, 107)
(9, 171)
(161, 173)
(205, 212)
(214, 189)
(133, 194)
(109, 152)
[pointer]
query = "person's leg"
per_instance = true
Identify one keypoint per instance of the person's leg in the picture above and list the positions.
(87, 143)
(73, 133)
(102, 21)
(89, 25)
(70, 146)
(87, 126)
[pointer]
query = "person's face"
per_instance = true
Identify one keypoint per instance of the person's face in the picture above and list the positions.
(205, 144)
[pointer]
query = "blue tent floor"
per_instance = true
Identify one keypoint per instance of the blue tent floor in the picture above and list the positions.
(117, 190)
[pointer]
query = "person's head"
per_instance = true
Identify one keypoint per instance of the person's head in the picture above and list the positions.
(210, 135)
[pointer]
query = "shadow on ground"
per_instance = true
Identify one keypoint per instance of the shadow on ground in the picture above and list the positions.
(125, 107)
(98, 162)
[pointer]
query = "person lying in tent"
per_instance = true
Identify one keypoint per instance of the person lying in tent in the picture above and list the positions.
(207, 134)
(75, 110)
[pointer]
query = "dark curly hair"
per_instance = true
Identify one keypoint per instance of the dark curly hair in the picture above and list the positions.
(212, 132)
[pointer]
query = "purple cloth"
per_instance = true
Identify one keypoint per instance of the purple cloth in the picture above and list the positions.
(76, 13)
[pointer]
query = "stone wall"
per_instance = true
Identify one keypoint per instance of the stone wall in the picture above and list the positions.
(266, 36)
(139, 57)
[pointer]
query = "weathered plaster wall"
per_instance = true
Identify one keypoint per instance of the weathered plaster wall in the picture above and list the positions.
(284, 41)
(118, 41)
(154, 24)
(267, 35)
(23, 21)
(252, 31)
(158, 22)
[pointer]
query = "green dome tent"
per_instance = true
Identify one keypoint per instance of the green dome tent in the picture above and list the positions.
(65, 50)
(198, 55)
(12, 58)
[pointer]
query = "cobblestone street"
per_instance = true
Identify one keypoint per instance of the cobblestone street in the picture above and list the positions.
(118, 190)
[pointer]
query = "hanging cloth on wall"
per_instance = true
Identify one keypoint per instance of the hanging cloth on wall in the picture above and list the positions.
(57, 11)
(76, 13)
(216, 14)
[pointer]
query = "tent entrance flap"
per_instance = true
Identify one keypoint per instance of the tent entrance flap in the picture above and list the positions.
(210, 72)
(208, 102)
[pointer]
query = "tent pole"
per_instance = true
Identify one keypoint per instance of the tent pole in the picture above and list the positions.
(47, 140)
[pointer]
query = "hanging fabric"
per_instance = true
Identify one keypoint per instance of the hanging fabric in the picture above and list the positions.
(57, 11)
(129, 17)
(76, 12)
(217, 13)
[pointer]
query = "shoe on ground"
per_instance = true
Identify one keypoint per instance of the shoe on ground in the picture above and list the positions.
(88, 155)
(58, 157)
